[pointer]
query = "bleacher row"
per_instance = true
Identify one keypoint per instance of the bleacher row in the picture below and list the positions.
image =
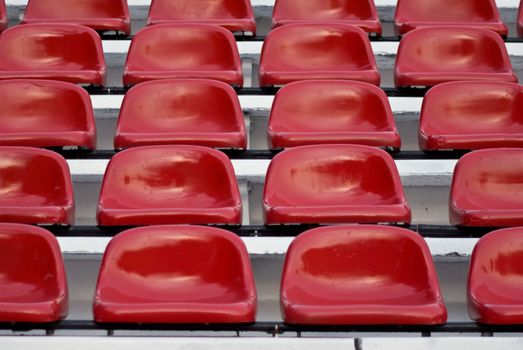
(237, 16)
(426, 56)
(330, 117)
(318, 184)
(200, 275)
(56, 114)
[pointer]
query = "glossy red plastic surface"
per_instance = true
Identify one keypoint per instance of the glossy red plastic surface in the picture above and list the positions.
(487, 188)
(361, 13)
(519, 23)
(175, 274)
(471, 115)
(432, 55)
(101, 15)
(166, 51)
(169, 185)
(3, 16)
(33, 283)
(360, 275)
(181, 111)
(334, 184)
(317, 51)
(495, 285)
(67, 52)
(45, 113)
(36, 187)
(235, 15)
(412, 14)
(331, 111)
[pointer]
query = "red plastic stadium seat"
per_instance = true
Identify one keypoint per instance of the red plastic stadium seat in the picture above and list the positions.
(317, 51)
(520, 20)
(175, 274)
(45, 113)
(33, 284)
(360, 275)
(412, 14)
(166, 51)
(471, 115)
(101, 15)
(67, 52)
(324, 184)
(181, 111)
(495, 285)
(487, 188)
(235, 15)
(3, 16)
(361, 13)
(432, 55)
(331, 111)
(169, 185)
(36, 187)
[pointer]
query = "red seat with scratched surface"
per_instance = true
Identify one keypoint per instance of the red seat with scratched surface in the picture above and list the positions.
(362, 274)
(181, 111)
(412, 14)
(175, 51)
(45, 113)
(175, 274)
(66, 52)
(100, 15)
(234, 15)
(33, 283)
(173, 184)
(323, 184)
(317, 51)
(361, 13)
(432, 55)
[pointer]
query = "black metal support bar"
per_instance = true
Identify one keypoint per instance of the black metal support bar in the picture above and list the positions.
(390, 91)
(428, 231)
(272, 328)
(256, 91)
(266, 154)
(259, 38)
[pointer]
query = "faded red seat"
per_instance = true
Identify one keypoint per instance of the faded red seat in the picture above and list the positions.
(235, 15)
(412, 14)
(172, 112)
(3, 16)
(325, 184)
(361, 13)
(432, 55)
(36, 187)
(495, 283)
(317, 51)
(519, 22)
(471, 115)
(169, 185)
(45, 113)
(175, 274)
(67, 52)
(166, 51)
(331, 111)
(33, 284)
(487, 189)
(360, 275)
(100, 15)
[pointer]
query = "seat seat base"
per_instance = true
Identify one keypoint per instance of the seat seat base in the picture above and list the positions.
(393, 213)
(196, 216)
(133, 77)
(361, 314)
(240, 312)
